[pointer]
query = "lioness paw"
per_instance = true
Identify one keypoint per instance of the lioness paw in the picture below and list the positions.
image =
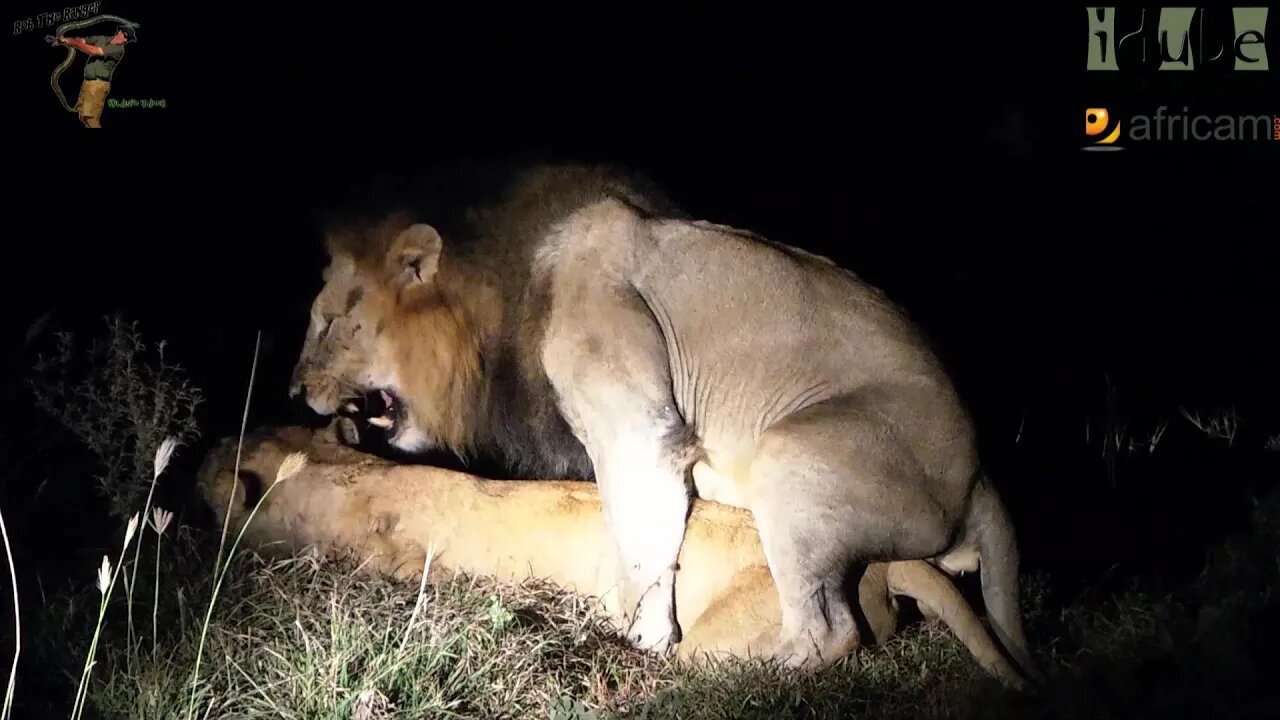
(347, 431)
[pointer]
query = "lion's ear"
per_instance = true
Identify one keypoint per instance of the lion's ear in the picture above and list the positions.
(415, 255)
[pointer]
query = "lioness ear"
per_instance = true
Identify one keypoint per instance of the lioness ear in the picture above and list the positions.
(224, 481)
(249, 489)
(415, 255)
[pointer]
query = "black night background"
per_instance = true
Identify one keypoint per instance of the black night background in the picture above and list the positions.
(1111, 317)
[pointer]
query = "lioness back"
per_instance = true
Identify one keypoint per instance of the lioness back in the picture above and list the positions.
(391, 517)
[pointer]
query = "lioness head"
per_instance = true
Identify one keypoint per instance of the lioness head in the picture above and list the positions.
(386, 323)
(261, 458)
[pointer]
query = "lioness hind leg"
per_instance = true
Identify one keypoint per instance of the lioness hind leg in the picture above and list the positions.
(830, 492)
(742, 622)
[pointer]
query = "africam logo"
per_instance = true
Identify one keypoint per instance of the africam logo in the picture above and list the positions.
(1169, 125)
(1096, 123)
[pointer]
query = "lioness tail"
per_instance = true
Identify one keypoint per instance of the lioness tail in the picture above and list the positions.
(930, 587)
(990, 525)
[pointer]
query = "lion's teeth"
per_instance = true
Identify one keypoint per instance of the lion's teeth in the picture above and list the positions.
(382, 422)
(351, 407)
(386, 398)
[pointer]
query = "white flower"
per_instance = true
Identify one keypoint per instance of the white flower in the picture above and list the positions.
(131, 529)
(163, 453)
(160, 519)
(291, 466)
(104, 575)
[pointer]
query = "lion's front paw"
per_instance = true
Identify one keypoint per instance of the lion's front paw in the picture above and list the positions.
(653, 627)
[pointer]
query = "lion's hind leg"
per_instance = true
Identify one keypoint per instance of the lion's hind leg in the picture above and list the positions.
(830, 491)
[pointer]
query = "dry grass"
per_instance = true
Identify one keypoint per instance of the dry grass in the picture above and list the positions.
(303, 638)
(307, 638)
(297, 638)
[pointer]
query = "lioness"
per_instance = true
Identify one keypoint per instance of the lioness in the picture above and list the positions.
(579, 325)
(392, 514)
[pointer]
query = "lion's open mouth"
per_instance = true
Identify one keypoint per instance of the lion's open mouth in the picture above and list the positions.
(380, 408)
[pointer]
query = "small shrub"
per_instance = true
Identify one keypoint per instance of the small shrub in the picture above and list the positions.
(119, 404)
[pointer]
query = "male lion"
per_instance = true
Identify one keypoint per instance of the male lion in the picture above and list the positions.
(389, 516)
(579, 326)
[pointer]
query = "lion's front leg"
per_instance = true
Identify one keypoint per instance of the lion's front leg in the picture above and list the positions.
(646, 501)
(608, 365)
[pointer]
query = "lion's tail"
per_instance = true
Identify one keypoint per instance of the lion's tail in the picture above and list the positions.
(990, 526)
(931, 588)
